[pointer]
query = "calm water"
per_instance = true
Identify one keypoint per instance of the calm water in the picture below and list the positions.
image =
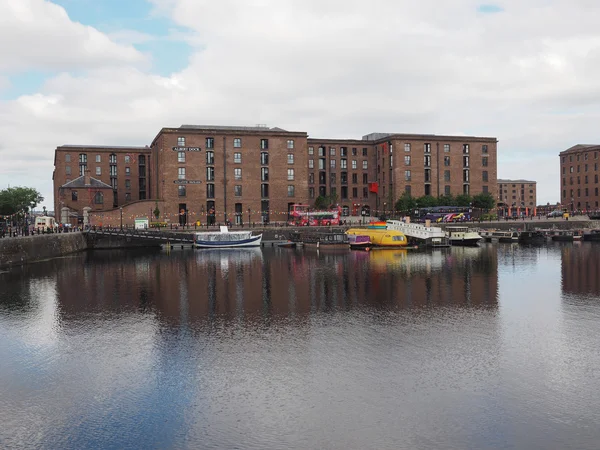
(487, 348)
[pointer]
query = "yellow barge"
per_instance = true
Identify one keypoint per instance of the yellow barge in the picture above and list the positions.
(381, 237)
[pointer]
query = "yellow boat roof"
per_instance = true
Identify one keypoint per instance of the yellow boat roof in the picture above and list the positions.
(371, 231)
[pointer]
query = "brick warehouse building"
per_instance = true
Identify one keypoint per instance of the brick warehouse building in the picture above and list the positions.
(579, 177)
(211, 173)
(517, 197)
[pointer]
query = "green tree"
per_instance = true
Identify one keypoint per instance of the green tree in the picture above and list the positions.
(405, 203)
(427, 201)
(321, 202)
(484, 201)
(156, 212)
(19, 199)
(463, 200)
(446, 200)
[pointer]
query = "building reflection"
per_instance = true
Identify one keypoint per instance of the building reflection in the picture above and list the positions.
(580, 265)
(273, 283)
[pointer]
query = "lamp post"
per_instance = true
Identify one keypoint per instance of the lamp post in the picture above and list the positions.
(249, 217)
(121, 208)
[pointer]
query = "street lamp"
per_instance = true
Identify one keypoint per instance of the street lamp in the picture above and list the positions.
(248, 217)
(121, 208)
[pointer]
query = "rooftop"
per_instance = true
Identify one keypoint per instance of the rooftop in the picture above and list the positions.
(516, 181)
(233, 128)
(580, 147)
(80, 183)
(106, 147)
(382, 136)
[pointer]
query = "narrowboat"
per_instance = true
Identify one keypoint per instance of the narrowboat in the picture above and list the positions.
(591, 235)
(462, 236)
(359, 242)
(505, 237)
(321, 240)
(226, 239)
(532, 237)
(381, 237)
(566, 236)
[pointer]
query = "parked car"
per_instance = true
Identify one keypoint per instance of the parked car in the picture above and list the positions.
(556, 213)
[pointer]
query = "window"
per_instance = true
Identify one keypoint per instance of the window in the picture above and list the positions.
(210, 190)
(180, 157)
(311, 192)
(407, 160)
(354, 151)
(484, 148)
(407, 147)
(210, 142)
(585, 168)
(181, 173)
(290, 174)
(127, 196)
(344, 192)
(331, 151)
(465, 161)
(311, 178)
(407, 189)
(407, 175)
(343, 163)
(364, 151)
(354, 192)
(365, 178)
(74, 196)
(210, 158)
(98, 158)
(484, 161)
(333, 191)
(466, 175)
(113, 171)
(446, 161)
(290, 158)
(67, 158)
(264, 144)
(290, 144)
(127, 184)
(322, 177)
(354, 164)
(237, 143)
(210, 174)
(291, 189)
(427, 160)
(181, 191)
(344, 177)
(354, 178)
(264, 159)
(83, 158)
(264, 174)
(466, 189)
(98, 170)
(427, 148)
(311, 150)
(365, 165)
(484, 176)
(311, 163)
(67, 170)
(321, 163)
(181, 141)
(365, 192)
(485, 190)
(237, 158)
(446, 148)
(237, 190)
(99, 198)
(321, 151)
(127, 159)
(264, 190)
(446, 190)
(127, 170)
(112, 159)
(465, 148)
(344, 151)
(446, 175)
(332, 178)
(237, 173)
(571, 169)
(332, 163)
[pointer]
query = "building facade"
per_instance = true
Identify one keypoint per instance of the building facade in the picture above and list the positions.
(253, 174)
(124, 169)
(579, 178)
(517, 197)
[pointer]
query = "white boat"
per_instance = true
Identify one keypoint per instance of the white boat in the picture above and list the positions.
(226, 239)
(430, 236)
(462, 236)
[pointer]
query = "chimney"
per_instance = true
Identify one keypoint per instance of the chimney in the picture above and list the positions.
(86, 177)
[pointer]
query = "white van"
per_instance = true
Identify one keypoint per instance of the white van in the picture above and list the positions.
(44, 222)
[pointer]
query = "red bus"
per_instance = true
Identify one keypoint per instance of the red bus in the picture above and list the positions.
(304, 215)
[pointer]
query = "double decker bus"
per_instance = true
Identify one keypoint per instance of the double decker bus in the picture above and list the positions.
(304, 215)
(444, 214)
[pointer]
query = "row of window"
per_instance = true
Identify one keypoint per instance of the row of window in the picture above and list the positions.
(237, 143)
(343, 192)
(586, 193)
(585, 157)
(98, 197)
(333, 178)
(332, 151)
(427, 176)
(112, 170)
(112, 159)
(237, 191)
(585, 168)
(564, 180)
(237, 158)
(237, 174)
(465, 148)
(333, 164)
(427, 161)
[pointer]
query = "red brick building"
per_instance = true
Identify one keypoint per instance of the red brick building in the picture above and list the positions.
(579, 178)
(517, 197)
(217, 173)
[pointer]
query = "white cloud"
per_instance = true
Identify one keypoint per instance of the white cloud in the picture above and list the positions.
(37, 34)
(332, 68)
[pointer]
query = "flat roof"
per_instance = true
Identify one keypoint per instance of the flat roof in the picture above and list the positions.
(377, 137)
(104, 147)
(515, 181)
(581, 147)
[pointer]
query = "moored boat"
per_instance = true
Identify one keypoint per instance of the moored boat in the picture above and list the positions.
(566, 236)
(226, 239)
(462, 236)
(591, 235)
(381, 237)
(359, 241)
(532, 237)
(324, 240)
(505, 237)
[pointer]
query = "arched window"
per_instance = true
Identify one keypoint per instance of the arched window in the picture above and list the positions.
(99, 198)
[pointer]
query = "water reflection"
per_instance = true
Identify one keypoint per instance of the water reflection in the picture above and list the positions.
(580, 267)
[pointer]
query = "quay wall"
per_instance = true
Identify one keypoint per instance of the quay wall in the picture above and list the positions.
(28, 249)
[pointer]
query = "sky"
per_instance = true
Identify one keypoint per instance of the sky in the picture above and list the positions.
(113, 72)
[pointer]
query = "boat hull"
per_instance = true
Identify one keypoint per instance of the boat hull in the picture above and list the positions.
(254, 241)
(468, 242)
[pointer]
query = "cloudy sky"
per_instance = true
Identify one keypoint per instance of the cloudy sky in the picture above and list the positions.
(116, 71)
